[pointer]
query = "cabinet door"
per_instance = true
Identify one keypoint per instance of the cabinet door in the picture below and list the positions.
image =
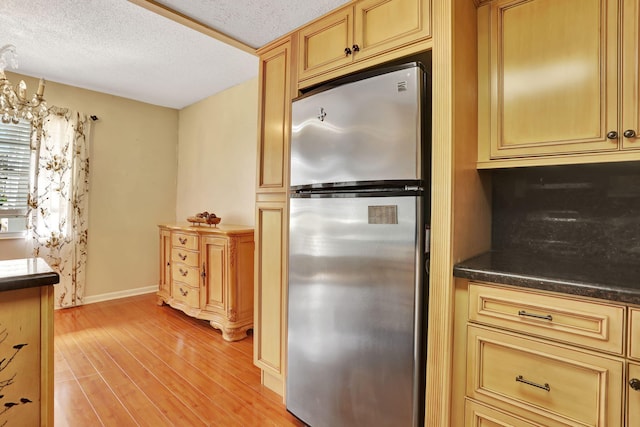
(551, 71)
(630, 90)
(164, 284)
(381, 25)
(270, 293)
(214, 255)
(550, 384)
(322, 44)
(274, 122)
(633, 396)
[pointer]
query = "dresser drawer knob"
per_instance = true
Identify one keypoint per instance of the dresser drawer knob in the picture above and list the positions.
(183, 241)
(182, 257)
(634, 383)
(183, 292)
(544, 386)
(536, 316)
(183, 272)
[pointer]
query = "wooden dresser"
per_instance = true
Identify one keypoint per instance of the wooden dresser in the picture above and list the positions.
(207, 272)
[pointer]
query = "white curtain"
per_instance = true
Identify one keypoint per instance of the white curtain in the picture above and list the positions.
(58, 200)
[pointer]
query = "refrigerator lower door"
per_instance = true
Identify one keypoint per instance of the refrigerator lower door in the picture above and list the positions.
(354, 334)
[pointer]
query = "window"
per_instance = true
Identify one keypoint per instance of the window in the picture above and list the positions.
(14, 177)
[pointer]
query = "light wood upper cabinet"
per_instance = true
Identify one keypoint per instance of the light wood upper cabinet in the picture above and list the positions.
(366, 29)
(630, 89)
(549, 79)
(324, 43)
(274, 118)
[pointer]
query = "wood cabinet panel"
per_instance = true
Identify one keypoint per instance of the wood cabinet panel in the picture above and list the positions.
(633, 395)
(379, 24)
(164, 285)
(552, 384)
(553, 76)
(634, 333)
(214, 253)
(630, 89)
(274, 118)
(270, 299)
(477, 415)
(585, 323)
(322, 44)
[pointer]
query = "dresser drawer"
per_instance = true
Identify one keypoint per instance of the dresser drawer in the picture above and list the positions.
(567, 386)
(182, 256)
(190, 276)
(186, 294)
(634, 333)
(585, 323)
(185, 241)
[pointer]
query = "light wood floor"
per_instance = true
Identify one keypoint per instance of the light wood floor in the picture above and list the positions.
(130, 362)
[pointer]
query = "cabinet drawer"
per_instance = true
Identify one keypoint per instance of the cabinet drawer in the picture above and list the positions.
(190, 276)
(185, 241)
(477, 415)
(567, 386)
(634, 333)
(186, 294)
(585, 323)
(189, 258)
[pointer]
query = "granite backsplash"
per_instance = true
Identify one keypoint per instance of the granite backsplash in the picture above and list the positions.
(582, 211)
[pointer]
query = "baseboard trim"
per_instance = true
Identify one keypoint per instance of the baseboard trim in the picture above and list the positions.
(120, 294)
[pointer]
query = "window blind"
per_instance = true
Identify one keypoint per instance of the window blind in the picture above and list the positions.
(14, 168)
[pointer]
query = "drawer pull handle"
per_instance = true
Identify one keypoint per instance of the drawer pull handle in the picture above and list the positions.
(183, 292)
(182, 241)
(182, 257)
(183, 272)
(537, 316)
(634, 383)
(521, 379)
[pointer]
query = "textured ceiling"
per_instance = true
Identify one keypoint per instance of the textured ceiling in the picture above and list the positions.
(119, 48)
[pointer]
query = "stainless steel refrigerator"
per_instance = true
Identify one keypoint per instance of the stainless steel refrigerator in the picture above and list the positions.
(358, 251)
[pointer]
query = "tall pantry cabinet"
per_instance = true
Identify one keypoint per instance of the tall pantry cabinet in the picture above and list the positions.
(275, 82)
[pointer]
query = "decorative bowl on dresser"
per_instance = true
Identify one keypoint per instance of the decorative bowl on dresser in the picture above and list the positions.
(207, 272)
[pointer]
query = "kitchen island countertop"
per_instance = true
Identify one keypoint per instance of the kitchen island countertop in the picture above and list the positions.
(603, 279)
(26, 273)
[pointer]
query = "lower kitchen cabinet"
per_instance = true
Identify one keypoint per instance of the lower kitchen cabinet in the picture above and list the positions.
(207, 272)
(534, 358)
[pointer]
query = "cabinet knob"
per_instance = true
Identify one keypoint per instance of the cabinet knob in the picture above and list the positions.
(629, 133)
(347, 51)
(634, 383)
(355, 48)
(612, 135)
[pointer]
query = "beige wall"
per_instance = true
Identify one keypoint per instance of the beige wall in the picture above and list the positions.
(132, 186)
(217, 155)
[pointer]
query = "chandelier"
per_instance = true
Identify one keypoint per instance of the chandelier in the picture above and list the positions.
(14, 104)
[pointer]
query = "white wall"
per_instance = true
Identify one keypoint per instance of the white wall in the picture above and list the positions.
(217, 155)
(132, 186)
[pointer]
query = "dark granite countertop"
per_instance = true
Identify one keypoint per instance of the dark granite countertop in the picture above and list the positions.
(604, 279)
(26, 273)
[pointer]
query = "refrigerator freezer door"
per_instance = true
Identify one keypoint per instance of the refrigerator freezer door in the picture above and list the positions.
(366, 130)
(353, 315)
